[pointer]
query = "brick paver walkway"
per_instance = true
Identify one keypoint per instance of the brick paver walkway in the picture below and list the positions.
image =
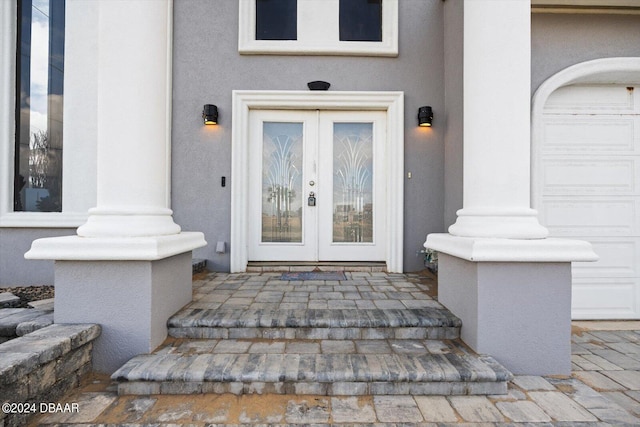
(603, 390)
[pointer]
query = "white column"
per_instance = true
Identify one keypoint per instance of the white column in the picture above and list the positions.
(497, 64)
(134, 121)
(129, 267)
(509, 284)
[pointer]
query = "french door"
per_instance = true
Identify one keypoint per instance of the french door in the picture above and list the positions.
(317, 186)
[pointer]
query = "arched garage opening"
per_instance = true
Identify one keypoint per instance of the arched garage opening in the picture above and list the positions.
(586, 178)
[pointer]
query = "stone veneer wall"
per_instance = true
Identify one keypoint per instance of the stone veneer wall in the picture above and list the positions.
(43, 366)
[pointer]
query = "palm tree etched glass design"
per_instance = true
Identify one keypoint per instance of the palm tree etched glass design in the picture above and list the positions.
(282, 182)
(352, 182)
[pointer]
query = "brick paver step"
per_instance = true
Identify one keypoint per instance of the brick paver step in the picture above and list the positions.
(325, 373)
(422, 323)
(370, 334)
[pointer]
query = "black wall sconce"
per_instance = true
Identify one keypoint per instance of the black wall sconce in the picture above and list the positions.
(425, 116)
(210, 114)
(318, 85)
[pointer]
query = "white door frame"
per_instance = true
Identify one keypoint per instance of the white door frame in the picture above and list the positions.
(390, 102)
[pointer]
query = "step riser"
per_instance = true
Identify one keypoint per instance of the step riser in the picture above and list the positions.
(432, 333)
(370, 334)
(314, 388)
(426, 373)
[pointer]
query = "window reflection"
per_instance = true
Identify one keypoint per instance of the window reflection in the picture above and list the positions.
(276, 19)
(39, 99)
(361, 20)
(282, 182)
(352, 182)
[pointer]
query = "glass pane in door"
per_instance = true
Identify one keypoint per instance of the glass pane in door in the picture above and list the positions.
(352, 182)
(282, 182)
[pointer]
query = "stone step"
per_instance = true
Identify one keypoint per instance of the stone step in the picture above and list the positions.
(20, 321)
(325, 367)
(418, 323)
(7, 299)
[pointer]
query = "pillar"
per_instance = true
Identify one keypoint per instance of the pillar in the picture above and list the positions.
(129, 266)
(499, 272)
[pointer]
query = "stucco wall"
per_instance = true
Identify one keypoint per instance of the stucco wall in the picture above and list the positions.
(207, 67)
(453, 120)
(17, 271)
(560, 40)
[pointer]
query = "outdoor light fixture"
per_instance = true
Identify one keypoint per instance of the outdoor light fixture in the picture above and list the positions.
(318, 85)
(210, 114)
(425, 116)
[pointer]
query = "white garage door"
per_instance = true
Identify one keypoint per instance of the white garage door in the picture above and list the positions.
(588, 187)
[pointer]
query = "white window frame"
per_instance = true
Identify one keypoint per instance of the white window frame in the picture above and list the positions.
(318, 32)
(79, 145)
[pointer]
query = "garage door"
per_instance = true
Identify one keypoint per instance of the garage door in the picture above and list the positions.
(588, 187)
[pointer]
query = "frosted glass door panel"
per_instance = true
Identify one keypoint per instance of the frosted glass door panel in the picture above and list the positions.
(351, 190)
(282, 156)
(352, 182)
(282, 161)
(316, 186)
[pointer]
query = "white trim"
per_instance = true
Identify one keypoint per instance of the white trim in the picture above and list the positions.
(150, 248)
(591, 3)
(7, 104)
(248, 45)
(511, 250)
(617, 7)
(391, 102)
(585, 6)
(606, 70)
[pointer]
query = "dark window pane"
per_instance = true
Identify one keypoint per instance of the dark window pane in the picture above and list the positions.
(39, 98)
(361, 20)
(276, 19)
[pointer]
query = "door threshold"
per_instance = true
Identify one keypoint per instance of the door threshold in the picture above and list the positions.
(298, 266)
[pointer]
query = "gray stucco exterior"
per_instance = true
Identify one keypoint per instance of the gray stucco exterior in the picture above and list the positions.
(207, 67)
(14, 269)
(561, 40)
(428, 69)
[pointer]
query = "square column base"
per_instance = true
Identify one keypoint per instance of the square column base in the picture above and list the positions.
(517, 312)
(131, 300)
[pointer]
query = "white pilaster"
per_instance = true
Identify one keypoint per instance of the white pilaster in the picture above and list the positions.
(134, 126)
(497, 64)
(508, 282)
(129, 267)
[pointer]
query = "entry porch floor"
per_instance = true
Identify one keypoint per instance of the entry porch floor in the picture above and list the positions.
(603, 390)
(331, 333)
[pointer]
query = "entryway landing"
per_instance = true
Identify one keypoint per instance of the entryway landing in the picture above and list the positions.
(255, 333)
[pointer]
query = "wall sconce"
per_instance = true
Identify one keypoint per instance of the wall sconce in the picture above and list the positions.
(318, 85)
(210, 114)
(425, 116)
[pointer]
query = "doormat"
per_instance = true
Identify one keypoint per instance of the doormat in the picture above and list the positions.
(314, 275)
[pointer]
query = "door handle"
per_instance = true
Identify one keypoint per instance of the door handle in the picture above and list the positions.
(311, 201)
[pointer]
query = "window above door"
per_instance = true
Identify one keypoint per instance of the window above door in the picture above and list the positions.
(318, 27)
